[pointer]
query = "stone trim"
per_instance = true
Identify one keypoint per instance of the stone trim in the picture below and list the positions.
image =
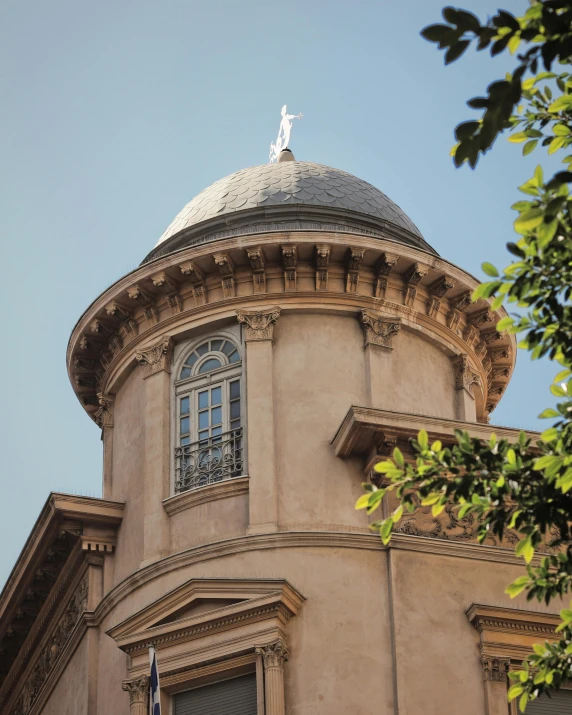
(203, 495)
(156, 358)
(259, 324)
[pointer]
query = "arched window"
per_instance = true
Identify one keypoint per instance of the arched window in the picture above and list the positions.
(209, 415)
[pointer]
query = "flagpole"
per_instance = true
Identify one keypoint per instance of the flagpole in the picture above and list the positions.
(154, 688)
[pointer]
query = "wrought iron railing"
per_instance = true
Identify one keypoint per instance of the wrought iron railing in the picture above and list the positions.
(209, 461)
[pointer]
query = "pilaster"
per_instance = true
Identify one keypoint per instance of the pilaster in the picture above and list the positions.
(156, 361)
(263, 490)
(378, 333)
(465, 378)
(273, 658)
(495, 673)
(104, 418)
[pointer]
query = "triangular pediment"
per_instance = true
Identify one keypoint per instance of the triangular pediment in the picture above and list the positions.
(206, 604)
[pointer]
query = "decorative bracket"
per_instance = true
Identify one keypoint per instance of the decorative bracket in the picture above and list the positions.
(412, 279)
(289, 260)
(437, 291)
(170, 288)
(355, 257)
(458, 304)
(377, 330)
(156, 358)
(104, 415)
(257, 263)
(385, 265)
(322, 260)
(259, 324)
(147, 301)
(226, 270)
(197, 278)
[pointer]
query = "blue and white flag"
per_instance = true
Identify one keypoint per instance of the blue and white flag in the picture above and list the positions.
(154, 690)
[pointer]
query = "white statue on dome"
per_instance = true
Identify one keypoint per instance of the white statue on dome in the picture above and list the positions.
(283, 134)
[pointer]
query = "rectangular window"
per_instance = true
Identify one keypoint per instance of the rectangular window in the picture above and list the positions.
(236, 696)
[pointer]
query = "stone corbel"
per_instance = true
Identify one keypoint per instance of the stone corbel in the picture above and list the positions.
(82, 380)
(104, 415)
(480, 317)
(147, 301)
(138, 690)
(354, 259)
(128, 326)
(289, 260)
(156, 358)
(198, 283)
(273, 657)
(385, 265)
(115, 343)
(379, 330)
(259, 324)
(169, 288)
(457, 305)
(257, 264)
(492, 336)
(471, 335)
(101, 327)
(465, 377)
(322, 260)
(412, 279)
(502, 371)
(499, 354)
(226, 269)
(437, 291)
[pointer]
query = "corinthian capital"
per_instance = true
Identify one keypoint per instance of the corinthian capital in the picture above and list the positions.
(138, 690)
(273, 655)
(465, 377)
(259, 324)
(378, 330)
(104, 414)
(495, 668)
(156, 358)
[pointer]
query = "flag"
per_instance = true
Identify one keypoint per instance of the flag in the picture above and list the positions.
(154, 690)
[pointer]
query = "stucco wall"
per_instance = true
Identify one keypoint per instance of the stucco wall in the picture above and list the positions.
(70, 695)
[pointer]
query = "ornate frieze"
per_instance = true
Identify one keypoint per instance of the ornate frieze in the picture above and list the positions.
(259, 324)
(322, 261)
(104, 415)
(257, 264)
(197, 279)
(465, 376)
(495, 668)
(437, 291)
(412, 279)
(273, 655)
(354, 259)
(156, 358)
(289, 261)
(52, 650)
(385, 265)
(225, 267)
(378, 330)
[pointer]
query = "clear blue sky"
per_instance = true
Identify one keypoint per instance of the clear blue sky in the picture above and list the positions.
(115, 113)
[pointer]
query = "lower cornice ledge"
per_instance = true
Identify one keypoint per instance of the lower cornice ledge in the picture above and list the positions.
(202, 495)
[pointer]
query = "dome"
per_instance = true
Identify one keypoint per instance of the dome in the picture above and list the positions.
(292, 195)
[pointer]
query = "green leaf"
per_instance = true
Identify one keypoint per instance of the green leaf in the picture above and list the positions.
(561, 130)
(523, 702)
(436, 509)
(549, 435)
(546, 232)
(538, 176)
(436, 446)
(362, 502)
(525, 549)
(529, 220)
(383, 467)
(518, 138)
(517, 586)
(557, 390)
(515, 691)
(430, 499)
(548, 412)
(529, 147)
(490, 270)
(505, 323)
(456, 50)
(423, 439)
(386, 529)
(563, 102)
(397, 514)
(556, 144)
(562, 375)
(511, 456)
(398, 457)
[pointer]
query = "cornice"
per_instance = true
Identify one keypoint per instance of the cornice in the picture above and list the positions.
(203, 495)
(512, 620)
(433, 292)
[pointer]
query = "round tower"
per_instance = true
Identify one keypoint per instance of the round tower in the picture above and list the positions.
(288, 329)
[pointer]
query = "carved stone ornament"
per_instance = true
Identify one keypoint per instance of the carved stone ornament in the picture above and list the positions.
(257, 264)
(259, 324)
(289, 260)
(354, 259)
(51, 652)
(226, 269)
(495, 668)
(138, 690)
(385, 264)
(377, 330)
(157, 357)
(465, 377)
(104, 415)
(273, 655)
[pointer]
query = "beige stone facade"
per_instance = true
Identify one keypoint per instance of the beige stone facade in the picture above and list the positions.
(348, 343)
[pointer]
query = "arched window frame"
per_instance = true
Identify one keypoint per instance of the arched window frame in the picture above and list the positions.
(192, 386)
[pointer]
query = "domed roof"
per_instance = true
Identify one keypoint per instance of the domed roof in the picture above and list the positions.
(299, 191)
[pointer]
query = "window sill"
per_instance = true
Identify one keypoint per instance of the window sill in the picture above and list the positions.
(202, 495)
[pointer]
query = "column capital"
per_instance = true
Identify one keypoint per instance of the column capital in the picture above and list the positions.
(495, 668)
(104, 415)
(378, 330)
(259, 324)
(138, 690)
(156, 358)
(273, 655)
(465, 377)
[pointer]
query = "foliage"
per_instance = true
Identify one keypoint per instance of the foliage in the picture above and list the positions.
(521, 486)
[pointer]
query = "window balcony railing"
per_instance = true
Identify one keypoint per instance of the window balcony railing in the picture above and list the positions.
(209, 461)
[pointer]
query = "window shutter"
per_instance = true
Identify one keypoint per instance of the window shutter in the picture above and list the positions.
(236, 696)
(559, 704)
